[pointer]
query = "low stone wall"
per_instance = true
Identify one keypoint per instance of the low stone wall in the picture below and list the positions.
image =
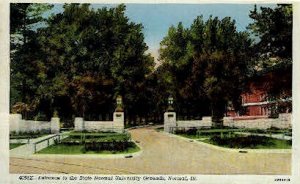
(17, 124)
(194, 123)
(170, 122)
(117, 125)
(282, 122)
(30, 125)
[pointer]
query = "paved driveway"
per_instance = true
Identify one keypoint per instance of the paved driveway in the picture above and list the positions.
(162, 154)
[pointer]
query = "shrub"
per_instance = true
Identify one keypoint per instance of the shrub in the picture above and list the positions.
(99, 141)
(190, 131)
(241, 142)
(108, 146)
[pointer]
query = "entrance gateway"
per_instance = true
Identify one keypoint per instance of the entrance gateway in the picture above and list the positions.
(117, 125)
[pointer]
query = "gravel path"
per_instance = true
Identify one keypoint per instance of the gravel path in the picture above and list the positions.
(162, 154)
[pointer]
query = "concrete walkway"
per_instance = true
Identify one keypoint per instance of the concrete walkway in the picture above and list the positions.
(26, 149)
(162, 154)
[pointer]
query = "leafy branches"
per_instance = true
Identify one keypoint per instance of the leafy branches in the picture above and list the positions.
(208, 62)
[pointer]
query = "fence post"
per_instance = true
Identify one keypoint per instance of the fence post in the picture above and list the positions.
(47, 142)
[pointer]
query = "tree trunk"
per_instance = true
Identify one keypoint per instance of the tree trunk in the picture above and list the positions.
(217, 114)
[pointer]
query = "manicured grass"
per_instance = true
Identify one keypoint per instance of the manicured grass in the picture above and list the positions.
(95, 133)
(229, 139)
(14, 145)
(191, 136)
(219, 130)
(25, 136)
(270, 130)
(206, 133)
(79, 149)
(76, 137)
(93, 143)
(250, 142)
(28, 135)
(160, 129)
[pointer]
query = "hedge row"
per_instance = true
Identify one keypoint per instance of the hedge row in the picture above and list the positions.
(100, 136)
(108, 146)
(28, 134)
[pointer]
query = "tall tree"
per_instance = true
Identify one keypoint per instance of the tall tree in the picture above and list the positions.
(273, 26)
(273, 48)
(91, 56)
(25, 19)
(215, 54)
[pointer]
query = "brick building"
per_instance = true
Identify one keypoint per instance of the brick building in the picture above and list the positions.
(268, 91)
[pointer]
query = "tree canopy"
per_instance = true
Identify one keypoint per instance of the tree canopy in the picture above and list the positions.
(208, 62)
(273, 26)
(84, 58)
(76, 62)
(273, 49)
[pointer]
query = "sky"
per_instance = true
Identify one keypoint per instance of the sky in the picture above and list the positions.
(157, 18)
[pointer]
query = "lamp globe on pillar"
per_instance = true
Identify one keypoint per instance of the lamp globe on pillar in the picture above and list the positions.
(119, 104)
(170, 104)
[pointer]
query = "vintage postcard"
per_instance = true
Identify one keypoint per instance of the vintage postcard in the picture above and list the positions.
(149, 92)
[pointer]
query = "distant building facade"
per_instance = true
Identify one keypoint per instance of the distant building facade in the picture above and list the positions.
(258, 100)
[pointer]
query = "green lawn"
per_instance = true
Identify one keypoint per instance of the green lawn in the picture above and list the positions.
(93, 143)
(14, 145)
(160, 129)
(27, 135)
(250, 142)
(228, 139)
(77, 136)
(200, 134)
(268, 131)
(79, 149)
(191, 136)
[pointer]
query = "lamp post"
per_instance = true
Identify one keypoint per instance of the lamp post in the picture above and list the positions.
(170, 104)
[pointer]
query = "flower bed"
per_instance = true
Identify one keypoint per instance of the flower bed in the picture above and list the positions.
(93, 142)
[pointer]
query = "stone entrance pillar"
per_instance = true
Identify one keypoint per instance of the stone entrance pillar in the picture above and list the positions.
(79, 124)
(118, 122)
(55, 125)
(118, 119)
(14, 122)
(170, 116)
(169, 121)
